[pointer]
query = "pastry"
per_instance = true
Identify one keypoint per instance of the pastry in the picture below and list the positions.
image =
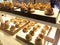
(41, 6)
(34, 29)
(38, 26)
(25, 21)
(30, 7)
(31, 33)
(7, 22)
(46, 27)
(36, 6)
(48, 11)
(43, 32)
(23, 7)
(38, 41)
(6, 26)
(28, 37)
(32, 23)
(28, 26)
(41, 36)
(12, 28)
(17, 25)
(2, 25)
(17, 4)
(25, 30)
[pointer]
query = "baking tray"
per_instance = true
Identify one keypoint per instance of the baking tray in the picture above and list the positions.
(22, 24)
(21, 35)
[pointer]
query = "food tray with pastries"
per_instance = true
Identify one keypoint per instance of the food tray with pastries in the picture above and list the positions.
(40, 11)
(44, 15)
(34, 35)
(13, 25)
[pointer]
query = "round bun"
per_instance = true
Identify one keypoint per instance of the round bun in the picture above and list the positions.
(32, 33)
(28, 37)
(38, 41)
(25, 30)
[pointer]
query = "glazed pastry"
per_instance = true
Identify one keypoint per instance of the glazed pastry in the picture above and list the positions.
(38, 41)
(46, 27)
(31, 33)
(28, 37)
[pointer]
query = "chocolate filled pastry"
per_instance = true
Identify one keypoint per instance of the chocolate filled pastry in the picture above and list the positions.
(45, 27)
(32, 33)
(38, 41)
(25, 30)
(34, 29)
(12, 28)
(28, 37)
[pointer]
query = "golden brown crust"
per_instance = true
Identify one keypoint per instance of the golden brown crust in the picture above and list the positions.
(34, 29)
(31, 33)
(46, 27)
(38, 41)
(25, 30)
(43, 31)
(12, 28)
(49, 11)
(28, 37)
